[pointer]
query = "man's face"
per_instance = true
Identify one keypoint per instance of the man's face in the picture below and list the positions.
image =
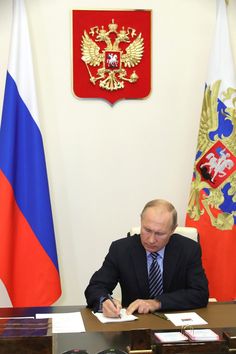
(156, 229)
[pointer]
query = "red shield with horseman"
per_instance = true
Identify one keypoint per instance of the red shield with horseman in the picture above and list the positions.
(216, 165)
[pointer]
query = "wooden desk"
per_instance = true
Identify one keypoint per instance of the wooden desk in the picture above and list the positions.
(218, 315)
(100, 336)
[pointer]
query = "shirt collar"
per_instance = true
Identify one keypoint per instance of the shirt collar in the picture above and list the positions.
(160, 252)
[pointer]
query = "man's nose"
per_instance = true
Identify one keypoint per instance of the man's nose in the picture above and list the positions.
(152, 237)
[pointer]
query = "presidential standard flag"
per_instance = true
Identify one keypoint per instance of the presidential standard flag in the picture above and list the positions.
(28, 258)
(212, 203)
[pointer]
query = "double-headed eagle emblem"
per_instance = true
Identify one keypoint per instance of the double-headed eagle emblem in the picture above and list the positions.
(118, 53)
(213, 189)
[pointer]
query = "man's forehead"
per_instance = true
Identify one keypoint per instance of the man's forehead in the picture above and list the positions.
(161, 211)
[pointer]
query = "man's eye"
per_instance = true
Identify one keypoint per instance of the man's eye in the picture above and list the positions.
(158, 234)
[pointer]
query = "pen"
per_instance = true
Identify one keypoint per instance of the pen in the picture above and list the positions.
(110, 298)
(161, 315)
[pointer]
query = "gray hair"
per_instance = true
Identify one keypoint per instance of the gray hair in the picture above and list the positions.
(162, 204)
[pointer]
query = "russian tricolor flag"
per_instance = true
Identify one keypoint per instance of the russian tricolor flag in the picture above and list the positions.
(28, 258)
(212, 202)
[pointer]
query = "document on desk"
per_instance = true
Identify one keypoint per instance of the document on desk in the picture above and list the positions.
(123, 317)
(71, 322)
(185, 319)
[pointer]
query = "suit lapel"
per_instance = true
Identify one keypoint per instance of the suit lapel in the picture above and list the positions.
(138, 255)
(169, 265)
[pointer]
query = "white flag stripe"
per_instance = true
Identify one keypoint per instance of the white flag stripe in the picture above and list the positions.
(221, 60)
(20, 61)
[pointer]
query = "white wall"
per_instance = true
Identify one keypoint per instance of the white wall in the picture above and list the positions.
(104, 163)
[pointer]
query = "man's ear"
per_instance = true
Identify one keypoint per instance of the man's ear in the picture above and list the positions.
(174, 228)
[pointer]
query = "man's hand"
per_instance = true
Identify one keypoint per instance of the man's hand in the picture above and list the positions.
(143, 306)
(111, 308)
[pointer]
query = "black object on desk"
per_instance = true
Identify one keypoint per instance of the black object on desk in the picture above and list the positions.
(112, 351)
(161, 315)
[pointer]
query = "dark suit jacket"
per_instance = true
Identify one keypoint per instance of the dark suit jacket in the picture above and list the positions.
(184, 282)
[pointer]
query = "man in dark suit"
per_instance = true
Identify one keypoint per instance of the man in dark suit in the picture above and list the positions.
(128, 262)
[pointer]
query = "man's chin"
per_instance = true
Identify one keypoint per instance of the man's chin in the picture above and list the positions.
(151, 249)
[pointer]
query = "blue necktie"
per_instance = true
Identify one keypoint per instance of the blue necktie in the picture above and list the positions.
(155, 278)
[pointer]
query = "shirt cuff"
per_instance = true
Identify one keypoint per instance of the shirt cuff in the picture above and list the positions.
(101, 300)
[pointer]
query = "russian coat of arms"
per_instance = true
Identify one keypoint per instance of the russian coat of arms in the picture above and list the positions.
(112, 61)
(111, 55)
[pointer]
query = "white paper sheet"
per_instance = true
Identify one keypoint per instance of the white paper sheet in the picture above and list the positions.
(205, 334)
(124, 317)
(171, 336)
(65, 322)
(185, 319)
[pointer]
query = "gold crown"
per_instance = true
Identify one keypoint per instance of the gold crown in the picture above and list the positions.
(112, 26)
